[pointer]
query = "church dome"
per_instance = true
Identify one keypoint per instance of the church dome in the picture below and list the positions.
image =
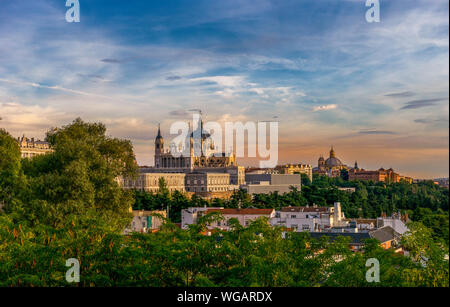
(332, 161)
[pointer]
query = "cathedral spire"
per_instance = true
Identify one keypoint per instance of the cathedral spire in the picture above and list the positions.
(159, 131)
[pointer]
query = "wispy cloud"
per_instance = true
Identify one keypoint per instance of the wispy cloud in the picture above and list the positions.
(421, 103)
(112, 61)
(400, 95)
(53, 87)
(376, 132)
(173, 78)
(432, 120)
(325, 107)
(179, 114)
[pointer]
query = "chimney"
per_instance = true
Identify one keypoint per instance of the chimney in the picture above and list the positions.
(337, 211)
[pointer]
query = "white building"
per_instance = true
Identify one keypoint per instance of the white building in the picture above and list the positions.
(394, 221)
(244, 216)
(190, 215)
(144, 221)
(310, 218)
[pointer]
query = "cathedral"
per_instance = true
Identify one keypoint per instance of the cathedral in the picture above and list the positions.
(200, 152)
(331, 167)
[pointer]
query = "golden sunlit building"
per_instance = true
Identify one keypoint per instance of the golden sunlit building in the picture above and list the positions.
(30, 147)
(291, 169)
(381, 175)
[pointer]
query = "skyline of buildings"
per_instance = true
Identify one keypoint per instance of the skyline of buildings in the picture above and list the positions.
(165, 162)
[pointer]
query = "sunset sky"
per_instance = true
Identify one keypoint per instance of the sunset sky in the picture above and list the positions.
(377, 92)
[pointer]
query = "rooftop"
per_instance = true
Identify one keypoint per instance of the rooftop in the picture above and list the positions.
(242, 211)
(305, 209)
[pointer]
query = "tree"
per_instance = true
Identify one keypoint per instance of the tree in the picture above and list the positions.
(11, 175)
(305, 179)
(78, 176)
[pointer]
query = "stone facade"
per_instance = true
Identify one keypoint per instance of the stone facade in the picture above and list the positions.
(296, 169)
(149, 182)
(381, 175)
(207, 182)
(30, 148)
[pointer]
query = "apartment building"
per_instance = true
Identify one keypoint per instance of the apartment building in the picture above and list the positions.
(310, 218)
(244, 216)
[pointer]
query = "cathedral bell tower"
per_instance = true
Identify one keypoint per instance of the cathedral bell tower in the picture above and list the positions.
(159, 147)
(321, 162)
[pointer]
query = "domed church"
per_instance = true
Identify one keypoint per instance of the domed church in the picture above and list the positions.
(331, 166)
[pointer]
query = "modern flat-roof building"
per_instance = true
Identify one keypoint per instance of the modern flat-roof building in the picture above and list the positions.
(270, 183)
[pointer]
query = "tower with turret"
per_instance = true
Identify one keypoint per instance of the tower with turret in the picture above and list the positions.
(159, 147)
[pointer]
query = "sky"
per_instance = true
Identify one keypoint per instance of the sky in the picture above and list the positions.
(377, 92)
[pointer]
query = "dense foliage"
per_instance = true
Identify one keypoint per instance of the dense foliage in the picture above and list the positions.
(253, 256)
(68, 204)
(424, 202)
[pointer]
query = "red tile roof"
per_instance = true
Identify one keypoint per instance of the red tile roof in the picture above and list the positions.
(241, 211)
(304, 209)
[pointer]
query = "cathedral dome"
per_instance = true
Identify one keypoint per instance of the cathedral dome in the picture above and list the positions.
(332, 161)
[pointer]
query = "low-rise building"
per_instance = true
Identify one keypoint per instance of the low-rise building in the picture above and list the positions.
(191, 215)
(270, 183)
(149, 182)
(310, 218)
(396, 221)
(387, 236)
(365, 224)
(381, 175)
(244, 216)
(296, 169)
(144, 221)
